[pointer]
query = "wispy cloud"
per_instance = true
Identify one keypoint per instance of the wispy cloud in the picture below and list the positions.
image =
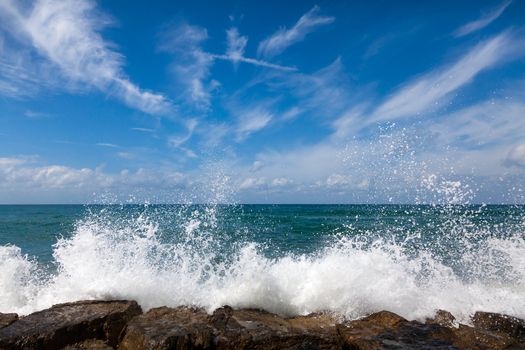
(67, 34)
(36, 115)
(423, 93)
(177, 141)
(484, 124)
(252, 120)
(516, 156)
(483, 21)
(235, 52)
(255, 62)
(283, 38)
(192, 64)
(148, 130)
(236, 43)
(105, 144)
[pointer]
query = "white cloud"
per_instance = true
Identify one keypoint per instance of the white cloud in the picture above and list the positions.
(252, 183)
(235, 52)
(236, 44)
(148, 130)
(291, 113)
(67, 34)
(516, 156)
(256, 166)
(483, 21)
(178, 141)
(192, 65)
(105, 144)
(36, 115)
(125, 155)
(21, 173)
(488, 123)
(325, 91)
(280, 182)
(284, 38)
(422, 94)
(345, 182)
(251, 121)
(24, 179)
(255, 62)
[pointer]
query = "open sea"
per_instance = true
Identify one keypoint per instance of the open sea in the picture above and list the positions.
(351, 260)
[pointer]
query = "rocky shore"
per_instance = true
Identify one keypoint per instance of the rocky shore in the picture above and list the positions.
(121, 324)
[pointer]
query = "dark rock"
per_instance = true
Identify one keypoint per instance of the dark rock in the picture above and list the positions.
(166, 328)
(386, 330)
(90, 344)
(100, 325)
(70, 323)
(186, 328)
(442, 318)
(256, 329)
(7, 319)
(501, 324)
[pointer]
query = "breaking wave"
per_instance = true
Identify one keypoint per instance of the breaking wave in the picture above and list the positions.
(458, 265)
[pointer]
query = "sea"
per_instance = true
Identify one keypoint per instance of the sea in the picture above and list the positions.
(349, 260)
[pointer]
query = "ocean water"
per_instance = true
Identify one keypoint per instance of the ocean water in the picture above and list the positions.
(350, 260)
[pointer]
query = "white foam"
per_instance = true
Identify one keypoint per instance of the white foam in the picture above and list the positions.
(130, 261)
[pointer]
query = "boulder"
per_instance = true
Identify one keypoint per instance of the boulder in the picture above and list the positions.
(90, 344)
(257, 329)
(166, 328)
(189, 328)
(69, 323)
(386, 330)
(7, 319)
(500, 324)
(443, 318)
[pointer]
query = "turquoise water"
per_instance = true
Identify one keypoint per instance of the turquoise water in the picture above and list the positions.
(290, 259)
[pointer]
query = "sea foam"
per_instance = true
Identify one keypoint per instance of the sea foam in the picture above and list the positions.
(352, 275)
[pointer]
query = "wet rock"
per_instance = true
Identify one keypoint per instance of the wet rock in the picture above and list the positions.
(386, 330)
(186, 328)
(70, 323)
(442, 318)
(504, 325)
(100, 325)
(166, 328)
(90, 344)
(257, 329)
(7, 319)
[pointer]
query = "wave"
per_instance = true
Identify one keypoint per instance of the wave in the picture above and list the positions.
(353, 275)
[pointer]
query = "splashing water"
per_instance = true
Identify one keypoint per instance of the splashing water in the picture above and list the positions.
(410, 260)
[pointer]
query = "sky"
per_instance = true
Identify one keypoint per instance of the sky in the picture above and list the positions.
(262, 101)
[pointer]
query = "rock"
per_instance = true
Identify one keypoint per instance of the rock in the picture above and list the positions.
(466, 337)
(167, 328)
(257, 329)
(90, 344)
(188, 328)
(70, 323)
(509, 326)
(386, 330)
(7, 319)
(443, 318)
(104, 325)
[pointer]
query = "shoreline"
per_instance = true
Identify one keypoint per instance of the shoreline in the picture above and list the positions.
(121, 324)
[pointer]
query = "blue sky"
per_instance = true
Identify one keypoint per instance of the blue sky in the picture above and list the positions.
(262, 102)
